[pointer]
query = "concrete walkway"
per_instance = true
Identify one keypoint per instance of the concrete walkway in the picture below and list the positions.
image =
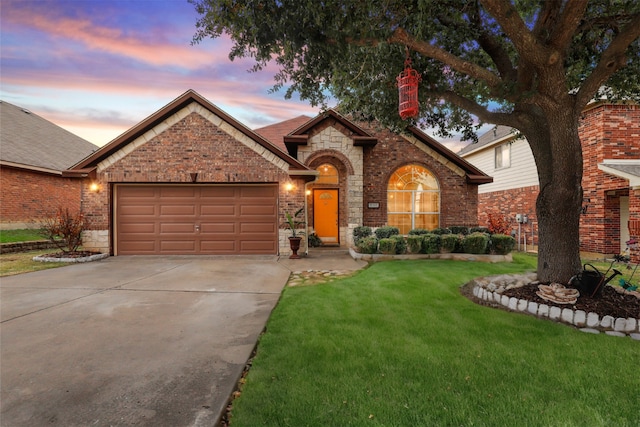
(146, 341)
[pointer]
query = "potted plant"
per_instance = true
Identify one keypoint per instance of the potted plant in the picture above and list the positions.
(294, 240)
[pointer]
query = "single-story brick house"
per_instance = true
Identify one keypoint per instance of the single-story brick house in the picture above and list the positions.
(33, 155)
(190, 179)
(610, 137)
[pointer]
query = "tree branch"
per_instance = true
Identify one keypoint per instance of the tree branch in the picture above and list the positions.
(612, 59)
(570, 19)
(400, 36)
(507, 119)
(514, 27)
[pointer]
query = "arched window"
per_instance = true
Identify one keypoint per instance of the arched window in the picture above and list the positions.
(328, 174)
(413, 199)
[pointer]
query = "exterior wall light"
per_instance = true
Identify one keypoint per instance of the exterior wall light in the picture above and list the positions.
(288, 186)
(94, 187)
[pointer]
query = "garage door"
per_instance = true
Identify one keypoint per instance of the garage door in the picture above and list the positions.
(204, 219)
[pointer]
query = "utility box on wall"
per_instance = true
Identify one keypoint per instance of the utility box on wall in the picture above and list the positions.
(522, 218)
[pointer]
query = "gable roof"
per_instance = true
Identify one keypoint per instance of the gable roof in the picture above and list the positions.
(300, 136)
(498, 134)
(473, 174)
(190, 96)
(275, 132)
(32, 142)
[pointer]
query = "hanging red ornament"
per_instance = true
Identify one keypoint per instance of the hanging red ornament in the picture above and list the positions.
(408, 90)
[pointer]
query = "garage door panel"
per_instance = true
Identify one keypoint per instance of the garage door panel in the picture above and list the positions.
(196, 219)
(259, 210)
(177, 210)
(138, 228)
(177, 227)
(218, 210)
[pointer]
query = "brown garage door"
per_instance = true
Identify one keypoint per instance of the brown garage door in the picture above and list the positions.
(204, 219)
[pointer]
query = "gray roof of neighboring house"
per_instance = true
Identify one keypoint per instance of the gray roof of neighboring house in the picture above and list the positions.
(629, 168)
(498, 132)
(27, 140)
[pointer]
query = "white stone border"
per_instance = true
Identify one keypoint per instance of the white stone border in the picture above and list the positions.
(453, 256)
(95, 257)
(586, 322)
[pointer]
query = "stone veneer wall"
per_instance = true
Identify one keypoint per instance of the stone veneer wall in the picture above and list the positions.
(192, 140)
(332, 143)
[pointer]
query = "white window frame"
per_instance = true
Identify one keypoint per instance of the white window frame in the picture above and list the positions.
(502, 156)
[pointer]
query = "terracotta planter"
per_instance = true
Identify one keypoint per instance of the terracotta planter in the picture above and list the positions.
(294, 242)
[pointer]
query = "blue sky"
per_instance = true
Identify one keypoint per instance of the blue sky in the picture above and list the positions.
(98, 67)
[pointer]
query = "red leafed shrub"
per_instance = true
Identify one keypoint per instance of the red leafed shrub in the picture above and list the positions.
(498, 224)
(64, 229)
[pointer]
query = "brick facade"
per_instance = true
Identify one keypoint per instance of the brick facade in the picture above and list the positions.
(191, 145)
(458, 199)
(27, 197)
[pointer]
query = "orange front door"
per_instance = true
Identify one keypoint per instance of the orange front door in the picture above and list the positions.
(325, 216)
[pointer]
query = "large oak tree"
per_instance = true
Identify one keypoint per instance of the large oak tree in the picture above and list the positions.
(529, 64)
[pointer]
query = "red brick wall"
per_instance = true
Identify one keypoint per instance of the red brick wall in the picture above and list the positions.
(193, 145)
(458, 200)
(30, 196)
(507, 204)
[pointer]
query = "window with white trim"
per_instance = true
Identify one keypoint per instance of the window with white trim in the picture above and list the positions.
(413, 199)
(503, 156)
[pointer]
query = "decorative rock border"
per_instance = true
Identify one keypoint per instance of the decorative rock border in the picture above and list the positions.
(34, 245)
(490, 289)
(95, 257)
(452, 256)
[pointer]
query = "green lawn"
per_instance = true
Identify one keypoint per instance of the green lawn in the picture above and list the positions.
(397, 345)
(22, 235)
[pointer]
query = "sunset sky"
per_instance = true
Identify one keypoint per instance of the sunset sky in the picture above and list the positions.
(98, 67)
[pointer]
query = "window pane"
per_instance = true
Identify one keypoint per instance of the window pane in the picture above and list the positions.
(328, 174)
(428, 222)
(426, 201)
(402, 221)
(399, 201)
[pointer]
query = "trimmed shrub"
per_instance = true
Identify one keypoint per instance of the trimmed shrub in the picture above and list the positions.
(414, 243)
(501, 244)
(431, 243)
(387, 246)
(367, 245)
(449, 243)
(64, 229)
(418, 232)
(360, 233)
(401, 244)
(459, 229)
(479, 230)
(386, 232)
(441, 231)
(475, 243)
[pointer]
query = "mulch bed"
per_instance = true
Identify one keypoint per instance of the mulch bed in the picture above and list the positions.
(76, 254)
(609, 303)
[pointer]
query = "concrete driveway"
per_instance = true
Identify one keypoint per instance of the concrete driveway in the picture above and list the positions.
(157, 341)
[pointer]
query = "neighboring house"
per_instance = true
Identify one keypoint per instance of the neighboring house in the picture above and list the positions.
(190, 179)
(33, 154)
(610, 136)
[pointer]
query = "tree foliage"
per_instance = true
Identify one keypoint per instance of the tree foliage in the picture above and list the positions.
(529, 64)
(479, 58)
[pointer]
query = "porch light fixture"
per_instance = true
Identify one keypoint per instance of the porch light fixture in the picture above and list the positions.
(94, 187)
(288, 186)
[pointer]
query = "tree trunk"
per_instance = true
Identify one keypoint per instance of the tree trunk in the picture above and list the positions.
(558, 153)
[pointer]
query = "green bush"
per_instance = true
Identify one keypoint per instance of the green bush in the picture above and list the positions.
(475, 243)
(401, 244)
(479, 230)
(501, 244)
(459, 229)
(441, 231)
(449, 243)
(367, 245)
(418, 231)
(386, 232)
(414, 243)
(431, 243)
(387, 246)
(360, 233)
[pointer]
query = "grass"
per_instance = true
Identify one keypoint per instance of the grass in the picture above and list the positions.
(22, 235)
(22, 262)
(397, 345)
